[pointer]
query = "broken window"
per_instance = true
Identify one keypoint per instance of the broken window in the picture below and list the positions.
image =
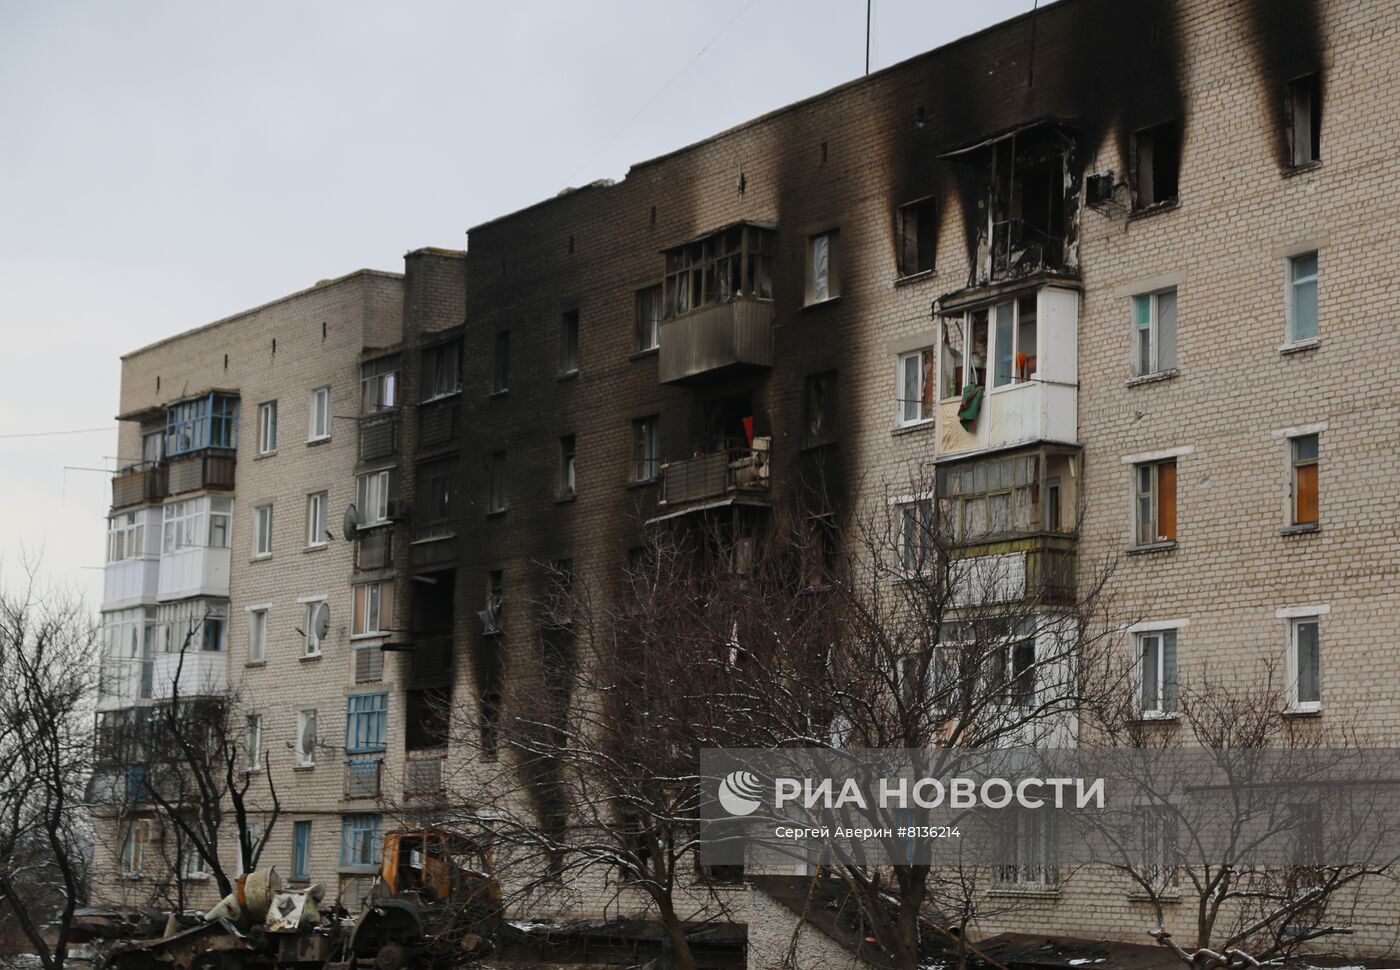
(1154, 332)
(1157, 678)
(379, 385)
(1156, 156)
(1015, 336)
(1303, 460)
(648, 334)
(435, 515)
(1156, 502)
(500, 364)
(1303, 102)
(916, 386)
(820, 425)
(950, 365)
(915, 237)
(568, 343)
(823, 267)
(497, 497)
(1305, 663)
(442, 370)
(1302, 297)
(359, 842)
(734, 263)
(646, 449)
(567, 482)
(426, 713)
(974, 373)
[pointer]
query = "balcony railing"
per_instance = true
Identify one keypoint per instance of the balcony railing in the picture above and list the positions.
(716, 337)
(379, 435)
(138, 485)
(438, 423)
(362, 778)
(201, 673)
(1038, 567)
(122, 681)
(374, 548)
(423, 772)
(721, 474)
(211, 468)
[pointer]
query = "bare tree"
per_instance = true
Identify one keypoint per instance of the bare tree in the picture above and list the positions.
(47, 644)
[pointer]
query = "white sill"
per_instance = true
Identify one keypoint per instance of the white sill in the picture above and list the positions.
(1150, 717)
(1312, 710)
(1153, 378)
(1165, 545)
(316, 546)
(265, 454)
(912, 426)
(311, 656)
(260, 557)
(1299, 346)
(256, 663)
(1013, 385)
(318, 441)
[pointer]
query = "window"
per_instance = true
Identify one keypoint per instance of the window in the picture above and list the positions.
(252, 747)
(1303, 101)
(819, 428)
(964, 363)
(1156, 502)
(205, 422)
(1304, 664)
(995, 496)
(366, 722)
(567, 483)
(1157, 823)
(372, 496)
(646, 449)
(1156, 669)
(916, 232)
(1015, 337)
(306, 738)
(316, 610)
(497, 497)
(134, 846)
(1017, 662)
(823, 267)
(915, 387)
(568, 343)
(442, 370)
(500, 364)
(427, 712)
(267, 428)
(1303, 459)
(319, 423)
(735, 263)
(126, 537)
(435, 516)
(257, 636)
(1156, 161)
(151, 444)
(495, 600)
(301, 850)
(262, 531)
(1031, 844)
(1302, 297)
(316, 507)
(1154, 332)
(196, 868)
(648, 335)
(916, 535)
(374, 609)
(220, 531)
(359, 840)
(379, 385)
(212, 634)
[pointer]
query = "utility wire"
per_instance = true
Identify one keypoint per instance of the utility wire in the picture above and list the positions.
(662, 90)
(50, 434)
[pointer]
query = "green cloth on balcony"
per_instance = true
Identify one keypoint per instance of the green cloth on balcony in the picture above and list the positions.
(970, 406)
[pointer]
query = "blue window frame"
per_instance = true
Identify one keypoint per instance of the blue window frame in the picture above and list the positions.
(301, 850)
(366, 722)
(359, 840)
(204, 422)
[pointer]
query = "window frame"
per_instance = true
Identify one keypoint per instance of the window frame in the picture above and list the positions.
(258, 617)
(925, 209)
(371, 605)
(1295, 623)
(320, 408)
(367, 722)
(433, 361)
(306, 758)
(359, 829)
(646, 449)
(127, 531)
(1153, 495)
(1311, 85)
(381, 492)
(647, 334)
(917, 521)
(926, 361)
(301, 850)
(1153, 329)
(312, 644)
(380, 379)
(500, 363)
(267, 428)
(252, 741)
(1295, 463)
(570, 347)
(262, 531)
(497, 499)
(816, 290)
(703, 271)
(1166, 683)
(1137, 143)
(1291, 283)
(317, 519)
(819, 417)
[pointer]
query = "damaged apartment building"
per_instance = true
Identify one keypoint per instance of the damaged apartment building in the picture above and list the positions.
(1106, 273)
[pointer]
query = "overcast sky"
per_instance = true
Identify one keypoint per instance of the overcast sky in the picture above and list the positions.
(166, 164)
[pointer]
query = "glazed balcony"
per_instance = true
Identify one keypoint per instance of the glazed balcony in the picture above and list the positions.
(123, 682)
(1036, 568)
(203, 673)
(715, 339)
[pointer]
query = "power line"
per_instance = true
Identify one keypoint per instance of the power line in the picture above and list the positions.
(662, 90)
(50, 434)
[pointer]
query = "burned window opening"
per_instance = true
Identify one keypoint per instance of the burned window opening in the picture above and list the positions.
(427, 713)
(916, 234)
(1303, 103)
(734, 263)
(1156, 165)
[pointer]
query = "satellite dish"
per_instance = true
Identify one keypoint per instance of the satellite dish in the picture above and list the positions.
(321, 621)
(351, 523)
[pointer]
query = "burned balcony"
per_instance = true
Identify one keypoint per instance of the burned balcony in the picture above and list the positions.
(439, 423)
(730, 473)
(374, 548)
(379, 434)
(1026, 186)
(423, 771)
(362, 778)
(138, 485)
(717, 305)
